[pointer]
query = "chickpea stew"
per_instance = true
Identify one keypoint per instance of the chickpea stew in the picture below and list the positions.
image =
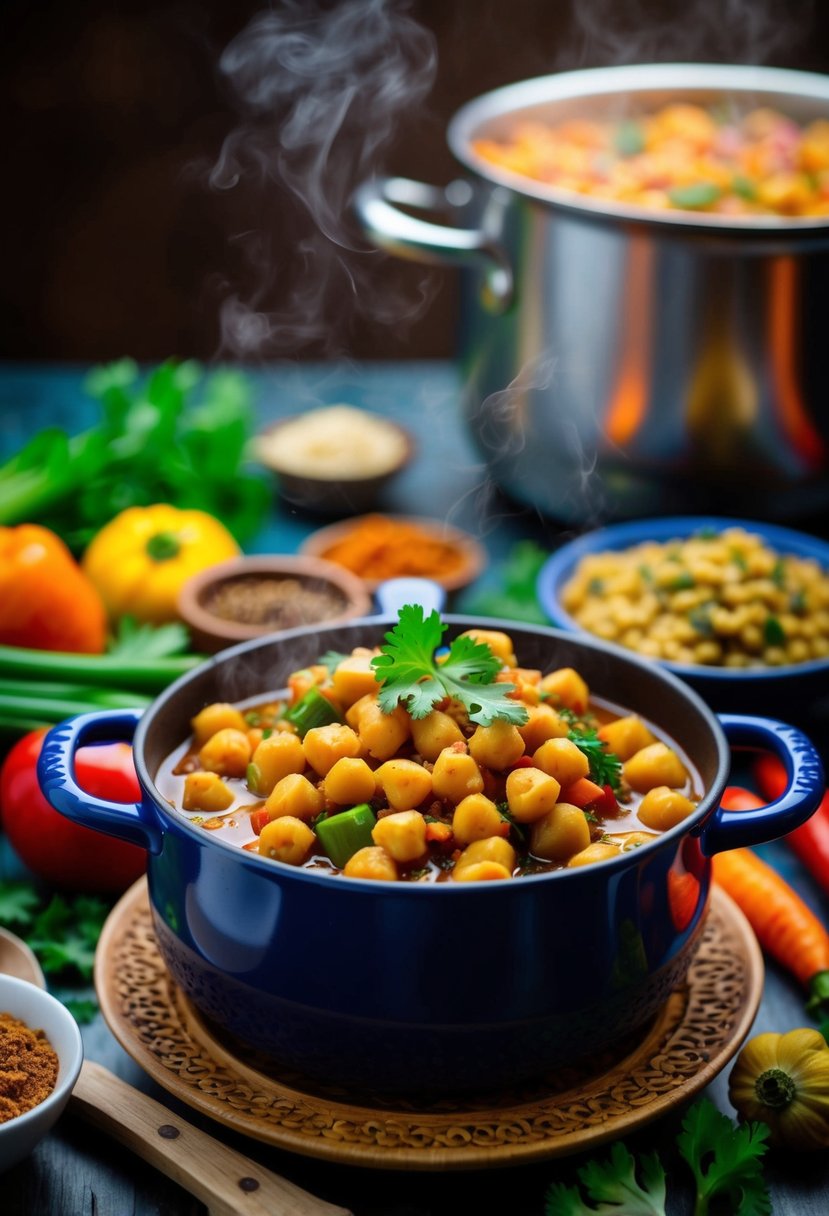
(682, 157)
(723, 599)
(436, 790)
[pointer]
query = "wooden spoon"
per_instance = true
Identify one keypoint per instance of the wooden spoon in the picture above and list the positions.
(226, 1182)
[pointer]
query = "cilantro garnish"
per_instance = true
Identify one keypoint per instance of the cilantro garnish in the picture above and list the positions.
(773, 632)
(724, 1160)
(613, 1181)
(409, 675)
(605, 766)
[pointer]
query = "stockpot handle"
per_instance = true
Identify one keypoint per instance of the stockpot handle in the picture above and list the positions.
(377, 206)
(135, 822)
(805, 786)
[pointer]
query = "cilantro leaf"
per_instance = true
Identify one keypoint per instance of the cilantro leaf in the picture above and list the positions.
(83, 1009)
(332, 659)
(64, 935)
(605, 766)
(725, 1160)
(18, 901)
(612, 1187)
(409, 675)
(134, 641)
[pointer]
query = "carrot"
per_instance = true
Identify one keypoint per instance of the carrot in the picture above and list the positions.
(786, 928)
(809, 842)
(581, 792)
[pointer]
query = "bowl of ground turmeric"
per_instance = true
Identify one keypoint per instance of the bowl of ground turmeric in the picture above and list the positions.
(378, 547)
(40, 1058)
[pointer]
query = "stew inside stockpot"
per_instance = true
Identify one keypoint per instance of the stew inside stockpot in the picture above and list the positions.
(682, 156)
(323, 777)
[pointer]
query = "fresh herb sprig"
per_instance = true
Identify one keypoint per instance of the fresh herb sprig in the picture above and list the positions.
(605, 766)
(724, 1158)
(411, 676)
(175, 436)
(63, 933)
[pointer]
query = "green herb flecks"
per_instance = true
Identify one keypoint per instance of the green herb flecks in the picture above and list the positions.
(331, 660)
(773, 632)
(605, 766)
(409, 674)
(613, 1181)
(629, 138)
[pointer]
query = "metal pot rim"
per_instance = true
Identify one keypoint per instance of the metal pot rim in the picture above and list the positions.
(629, 79)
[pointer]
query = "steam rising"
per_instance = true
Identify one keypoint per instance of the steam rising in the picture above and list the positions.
(322, 91)
(731, 31)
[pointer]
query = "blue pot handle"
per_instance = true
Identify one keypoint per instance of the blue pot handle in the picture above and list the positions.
(135, 822)
(734, 829)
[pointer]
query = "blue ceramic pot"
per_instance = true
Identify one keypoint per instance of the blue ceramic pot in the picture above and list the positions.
(440, 987)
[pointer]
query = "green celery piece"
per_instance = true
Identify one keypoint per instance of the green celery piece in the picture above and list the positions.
(700, 194)
(312, 709)
(343, 835)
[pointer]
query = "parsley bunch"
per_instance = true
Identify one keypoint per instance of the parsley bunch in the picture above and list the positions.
(724, 1159)
(411, 676)
(63, 934)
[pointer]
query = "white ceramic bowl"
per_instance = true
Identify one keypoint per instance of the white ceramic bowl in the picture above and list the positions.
(40, 1011)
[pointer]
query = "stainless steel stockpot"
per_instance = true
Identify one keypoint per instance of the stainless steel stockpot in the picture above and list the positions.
(618, 361)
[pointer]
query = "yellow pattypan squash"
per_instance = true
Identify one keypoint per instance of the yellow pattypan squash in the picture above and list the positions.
(783, 1080)
(140, 560)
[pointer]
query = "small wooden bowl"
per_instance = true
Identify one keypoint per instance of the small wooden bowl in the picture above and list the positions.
(472, 557)
(234, 579)
(326, 494)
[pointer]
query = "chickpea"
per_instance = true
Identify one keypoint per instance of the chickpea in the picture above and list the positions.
(382, 735)
(531, 793)
(350, 781)
(216, 717)
(497, 746)
(600, 851)
(626, 735)
(496, 849)
(663, 808)
(274, 758)
(354, 678)
(286, 839)
(404, 782)
(455, 775)
(402, 835)
(294, 796)
(227, 753)
(481, 871)
(561, 833)
(499, 643)
(562, 759)
(435, 732)
(656, 764)
(205, 792)
(372, 862)
(476, 817)
(542, 723)
(568, 688)
(325, 745)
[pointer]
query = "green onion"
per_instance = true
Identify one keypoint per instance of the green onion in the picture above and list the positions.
(345, 834)
(312, 709)
(105, 698)
(51, 709)
(108, 671)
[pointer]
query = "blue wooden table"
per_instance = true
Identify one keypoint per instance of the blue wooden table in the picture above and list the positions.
(74, 1174)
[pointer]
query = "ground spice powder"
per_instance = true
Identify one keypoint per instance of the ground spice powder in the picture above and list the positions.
(28, 1067)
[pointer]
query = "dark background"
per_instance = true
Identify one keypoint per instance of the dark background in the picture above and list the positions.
(114, 113)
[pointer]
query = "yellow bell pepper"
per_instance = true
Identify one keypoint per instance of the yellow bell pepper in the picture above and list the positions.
(141, 559)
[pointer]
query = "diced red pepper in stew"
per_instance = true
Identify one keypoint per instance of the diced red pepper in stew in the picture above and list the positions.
(583, 792)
